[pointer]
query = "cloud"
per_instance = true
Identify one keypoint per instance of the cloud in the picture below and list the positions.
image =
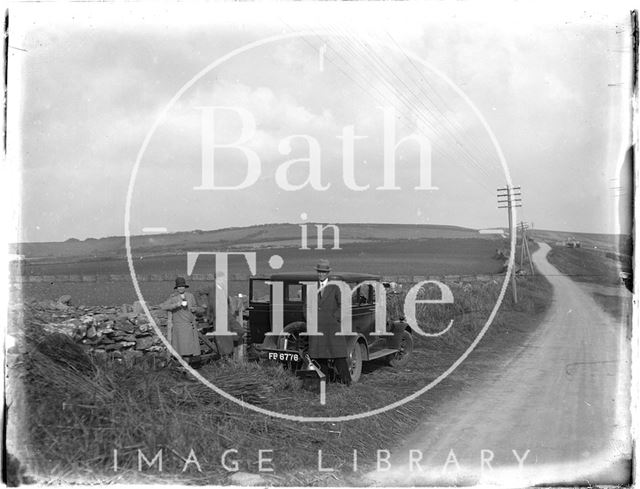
(238, 106)
(92, 90)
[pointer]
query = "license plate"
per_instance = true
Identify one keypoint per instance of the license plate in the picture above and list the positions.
(283, 356)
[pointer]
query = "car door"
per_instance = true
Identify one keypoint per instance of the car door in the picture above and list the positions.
(363, 311)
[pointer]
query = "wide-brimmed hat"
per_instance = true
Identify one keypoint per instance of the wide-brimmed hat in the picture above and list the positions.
(181, 282)
(323, 266)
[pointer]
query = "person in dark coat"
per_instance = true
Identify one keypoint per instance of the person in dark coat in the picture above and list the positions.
(329, 346)
(181, 322)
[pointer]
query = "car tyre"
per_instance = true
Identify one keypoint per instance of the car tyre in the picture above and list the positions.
(401, 358)
(294, 330)
(354, 361)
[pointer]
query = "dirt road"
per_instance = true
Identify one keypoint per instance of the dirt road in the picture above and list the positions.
(556, 411)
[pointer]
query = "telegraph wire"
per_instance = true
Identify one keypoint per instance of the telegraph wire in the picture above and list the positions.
(376, 59)
(449, 154)
(480, 145)
(445, 153)
(419, 114)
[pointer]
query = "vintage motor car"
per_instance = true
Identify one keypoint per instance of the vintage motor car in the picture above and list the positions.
(289, 347)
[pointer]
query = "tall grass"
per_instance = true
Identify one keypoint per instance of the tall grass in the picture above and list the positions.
(77, 417)
(80, 409)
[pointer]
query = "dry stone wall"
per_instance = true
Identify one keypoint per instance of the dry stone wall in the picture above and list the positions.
(118, 332)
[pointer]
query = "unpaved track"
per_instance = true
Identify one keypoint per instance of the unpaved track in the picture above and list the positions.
(563, 396)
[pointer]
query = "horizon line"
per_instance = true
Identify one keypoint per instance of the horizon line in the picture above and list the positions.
(165, 232)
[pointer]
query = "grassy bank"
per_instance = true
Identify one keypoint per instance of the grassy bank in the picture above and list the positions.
(79, 410)
(586, 265)
(613, 305)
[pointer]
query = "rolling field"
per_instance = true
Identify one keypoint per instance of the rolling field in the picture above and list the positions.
(266, 235)
(436, 256)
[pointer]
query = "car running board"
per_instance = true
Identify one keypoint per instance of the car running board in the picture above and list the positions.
(382, 353)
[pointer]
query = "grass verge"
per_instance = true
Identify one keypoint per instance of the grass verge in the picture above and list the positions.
(585, 265)
(612, 304)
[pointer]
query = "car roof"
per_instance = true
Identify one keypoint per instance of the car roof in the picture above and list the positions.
(312, 276)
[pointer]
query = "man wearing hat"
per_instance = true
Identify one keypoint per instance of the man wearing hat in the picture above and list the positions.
(181, 323)
(328, 345)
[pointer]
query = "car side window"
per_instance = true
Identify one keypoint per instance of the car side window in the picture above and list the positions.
(293, 293)
(363, 295)
(355, 296)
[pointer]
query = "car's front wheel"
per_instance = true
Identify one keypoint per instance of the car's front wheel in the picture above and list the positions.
(355, 361)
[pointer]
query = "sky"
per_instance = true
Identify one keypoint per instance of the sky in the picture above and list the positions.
(119, 114)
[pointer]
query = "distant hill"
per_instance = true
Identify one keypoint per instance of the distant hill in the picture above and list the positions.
(251, 237)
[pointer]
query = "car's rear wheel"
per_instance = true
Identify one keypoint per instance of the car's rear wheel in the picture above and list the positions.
(355, 361)
(289, 339)
(401, 358)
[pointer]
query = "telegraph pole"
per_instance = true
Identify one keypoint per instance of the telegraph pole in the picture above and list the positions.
(524, 246)
(508, 198)
(522, 237)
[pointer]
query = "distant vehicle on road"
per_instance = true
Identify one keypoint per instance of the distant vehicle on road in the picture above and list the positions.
(573, 243)
(289, 347)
